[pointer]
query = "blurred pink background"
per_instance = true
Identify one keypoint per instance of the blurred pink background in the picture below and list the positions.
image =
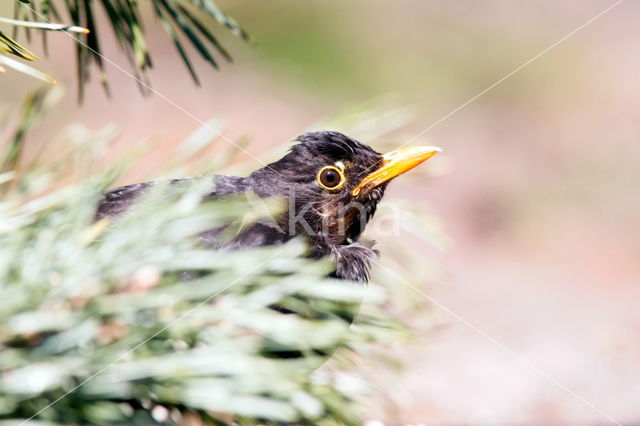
(541, 196)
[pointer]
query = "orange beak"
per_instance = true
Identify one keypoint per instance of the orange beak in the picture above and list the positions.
(395, 163)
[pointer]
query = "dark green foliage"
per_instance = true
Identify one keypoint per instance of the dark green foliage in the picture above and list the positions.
(191, 19)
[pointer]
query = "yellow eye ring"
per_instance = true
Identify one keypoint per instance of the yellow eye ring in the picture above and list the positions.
(330, 178)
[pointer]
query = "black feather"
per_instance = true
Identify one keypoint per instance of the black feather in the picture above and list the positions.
(331, 221)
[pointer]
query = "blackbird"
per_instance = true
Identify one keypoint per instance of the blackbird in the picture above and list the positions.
(332, 183)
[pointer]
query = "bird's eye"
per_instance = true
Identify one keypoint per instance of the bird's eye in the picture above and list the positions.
(331, 178)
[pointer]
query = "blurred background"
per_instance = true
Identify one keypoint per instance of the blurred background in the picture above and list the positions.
(537, 302)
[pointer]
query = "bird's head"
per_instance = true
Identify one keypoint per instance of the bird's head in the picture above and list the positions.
(334, 183)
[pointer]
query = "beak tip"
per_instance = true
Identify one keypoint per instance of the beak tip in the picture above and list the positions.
(396, 163)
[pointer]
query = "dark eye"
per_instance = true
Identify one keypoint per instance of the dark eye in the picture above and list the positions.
(330, 178)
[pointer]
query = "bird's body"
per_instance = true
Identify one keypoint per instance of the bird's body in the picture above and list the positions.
(332, 183)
